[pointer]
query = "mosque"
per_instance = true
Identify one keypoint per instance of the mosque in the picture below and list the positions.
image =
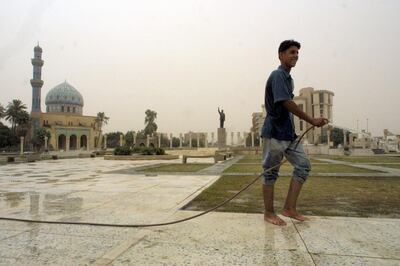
(64, 119)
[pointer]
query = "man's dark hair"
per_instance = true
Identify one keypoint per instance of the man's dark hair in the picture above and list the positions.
(287, 44)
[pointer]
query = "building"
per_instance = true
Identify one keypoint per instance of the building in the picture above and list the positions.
(315, 103)
(69, 128)
(391, 141)
(257, 120)
(361, 140)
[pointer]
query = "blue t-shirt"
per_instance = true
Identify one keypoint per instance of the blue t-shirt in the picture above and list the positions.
(279, 121)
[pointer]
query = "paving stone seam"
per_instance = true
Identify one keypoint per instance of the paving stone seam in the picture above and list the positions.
(304, 243)
(21, 232)
(60, 234)
(117, 251)
(183, 202)
(362, 165)
(355, 256)
(219, 168)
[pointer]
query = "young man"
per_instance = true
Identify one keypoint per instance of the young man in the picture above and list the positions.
(279, 135)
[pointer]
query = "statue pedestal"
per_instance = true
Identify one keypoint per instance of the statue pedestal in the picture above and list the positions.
(221, 138)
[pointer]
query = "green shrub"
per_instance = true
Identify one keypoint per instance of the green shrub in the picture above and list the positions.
(138, 149)
(147, 151)
(122, 150)
(160, 151)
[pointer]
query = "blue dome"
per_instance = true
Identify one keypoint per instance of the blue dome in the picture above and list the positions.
(64, 93)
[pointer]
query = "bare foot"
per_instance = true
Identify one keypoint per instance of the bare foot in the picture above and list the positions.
(294, 215)
(274, 219)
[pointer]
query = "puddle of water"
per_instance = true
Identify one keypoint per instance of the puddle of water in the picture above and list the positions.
(37, 203)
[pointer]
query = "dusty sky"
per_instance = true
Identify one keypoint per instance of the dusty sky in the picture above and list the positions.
(185, 58)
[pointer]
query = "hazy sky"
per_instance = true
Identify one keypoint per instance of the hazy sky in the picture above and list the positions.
(185, 58)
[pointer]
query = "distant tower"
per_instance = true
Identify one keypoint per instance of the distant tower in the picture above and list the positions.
(37, 81)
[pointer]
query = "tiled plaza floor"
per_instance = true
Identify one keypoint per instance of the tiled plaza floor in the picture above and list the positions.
(83, 190)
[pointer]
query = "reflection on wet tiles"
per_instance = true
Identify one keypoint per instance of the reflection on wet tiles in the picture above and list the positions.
(352, 236)
(37, 204)
(53, 204)
(164, 253)
(12, 199)
(48, 181)
(18, 174)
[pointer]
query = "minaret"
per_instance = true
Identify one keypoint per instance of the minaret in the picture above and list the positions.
(37, 81)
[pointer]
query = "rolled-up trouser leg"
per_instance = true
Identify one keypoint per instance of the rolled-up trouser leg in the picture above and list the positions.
(300, 161)
(273, 153)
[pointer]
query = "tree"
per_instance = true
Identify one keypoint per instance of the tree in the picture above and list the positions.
(16, 114)
(101, 120)
(7, 139)
(113, 139)
(23, 123)
(149, 121)
(2, 111)
(175, 142)
(337, 136)
(129, 138)
(38, 139)
(165, 142)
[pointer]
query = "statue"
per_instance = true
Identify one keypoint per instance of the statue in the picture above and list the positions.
(221, 118)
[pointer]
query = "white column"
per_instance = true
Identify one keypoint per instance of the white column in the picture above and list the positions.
(21, 145)
(78, 142)
(261, 140)
(159, 140)
(105, 142)
(344, 138)
(206, 139)
(180, 140)
(190, 140)
(45, 142)
(170, 140)
(67, 142)
(198, 139)
(245, 138)
(212, 138)
(147, 140)
(238, 138)
(134, 139)
(232, 138)
(252, 139)
(120, 140)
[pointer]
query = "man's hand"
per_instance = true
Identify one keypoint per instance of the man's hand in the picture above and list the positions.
(319, 122)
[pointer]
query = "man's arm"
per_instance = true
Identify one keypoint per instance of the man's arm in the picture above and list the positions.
(292, 107)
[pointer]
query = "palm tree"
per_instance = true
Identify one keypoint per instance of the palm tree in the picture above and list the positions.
(2, 111)
(16, 114)
(101, 120)
(23, 123)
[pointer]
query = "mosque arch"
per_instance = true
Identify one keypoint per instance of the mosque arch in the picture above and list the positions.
(83, 142)
(72, 142)
(62, 141)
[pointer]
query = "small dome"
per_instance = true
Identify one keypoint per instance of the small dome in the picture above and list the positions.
(64, 93)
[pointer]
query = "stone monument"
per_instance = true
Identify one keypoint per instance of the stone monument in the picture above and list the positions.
(221, 133)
